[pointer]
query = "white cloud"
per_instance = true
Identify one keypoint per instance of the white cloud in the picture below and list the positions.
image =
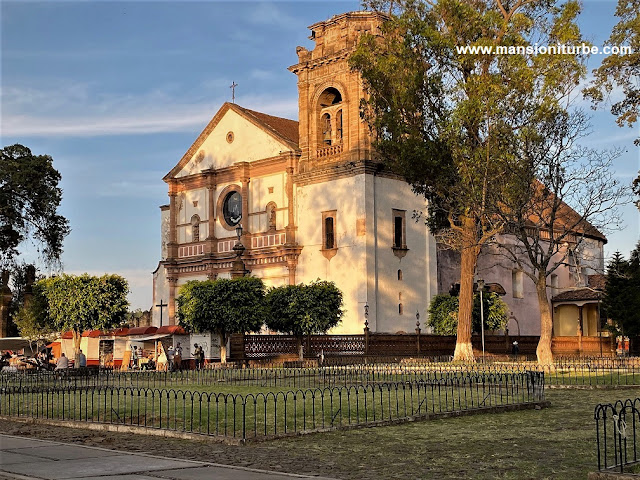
(75, 111)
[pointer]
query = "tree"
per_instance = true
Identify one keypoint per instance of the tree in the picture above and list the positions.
(444, 116)
(29, 199)
(621, 300)
(566, 194)
(81, 302)
(223, 307)
(443, 313)
(304, 309)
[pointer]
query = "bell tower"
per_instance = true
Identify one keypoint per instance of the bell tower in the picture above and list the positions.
(329, 93)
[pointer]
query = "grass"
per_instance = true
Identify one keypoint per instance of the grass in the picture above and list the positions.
(558, 442)
(250, 411)
(554, 443)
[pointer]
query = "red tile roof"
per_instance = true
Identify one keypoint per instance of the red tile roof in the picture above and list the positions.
(172, 330)
(283, 126)
(577, 295)
(142, 330)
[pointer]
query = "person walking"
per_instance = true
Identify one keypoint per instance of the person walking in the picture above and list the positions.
(196, 355)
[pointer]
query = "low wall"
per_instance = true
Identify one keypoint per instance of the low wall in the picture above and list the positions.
(252, 347)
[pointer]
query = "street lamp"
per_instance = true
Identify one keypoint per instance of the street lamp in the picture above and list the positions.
(481, 288)
(239, 231)
(238, 270)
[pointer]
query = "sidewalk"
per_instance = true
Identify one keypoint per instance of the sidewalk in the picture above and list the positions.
(25, 458)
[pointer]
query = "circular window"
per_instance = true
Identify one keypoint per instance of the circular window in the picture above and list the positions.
(232, 209)
(230, 137)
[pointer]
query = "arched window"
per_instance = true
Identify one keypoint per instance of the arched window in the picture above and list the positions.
(271, 216)
(325, 123)
(399, 274)
(400, 309)
(329, 111)
(195, 228)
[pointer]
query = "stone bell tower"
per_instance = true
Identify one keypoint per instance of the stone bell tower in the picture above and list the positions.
(329, 93)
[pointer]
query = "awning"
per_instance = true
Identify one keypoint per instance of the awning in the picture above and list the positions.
(150, 337)
(172, 330)
(143, 330)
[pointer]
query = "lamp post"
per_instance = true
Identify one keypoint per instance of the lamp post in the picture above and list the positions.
(238, 269)
(481, 288)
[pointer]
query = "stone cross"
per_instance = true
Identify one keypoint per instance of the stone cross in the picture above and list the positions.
(233, 91)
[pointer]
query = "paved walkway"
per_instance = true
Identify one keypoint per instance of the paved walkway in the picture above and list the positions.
(25, 458)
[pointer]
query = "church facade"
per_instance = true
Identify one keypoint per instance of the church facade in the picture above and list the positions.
(311, 200)
(313, 203)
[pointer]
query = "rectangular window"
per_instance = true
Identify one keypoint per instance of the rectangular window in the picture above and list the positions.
(553, 283)
(329, 230)
(399, 229)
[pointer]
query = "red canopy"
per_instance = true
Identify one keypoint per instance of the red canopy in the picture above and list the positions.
(142, 330)
(67, 335)
(92, 333)
(172, 330)
(121, 332)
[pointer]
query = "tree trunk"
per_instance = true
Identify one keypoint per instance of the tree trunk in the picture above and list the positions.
(300, 348)
(468, 260)
(543, 352)
(223, 348)
(77, 337)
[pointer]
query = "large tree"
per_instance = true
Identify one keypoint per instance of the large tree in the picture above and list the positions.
(444, 107)
(304, 309)
(566, 195)
(29, 200)
(621, 301)
(78, 303)
(223, 307)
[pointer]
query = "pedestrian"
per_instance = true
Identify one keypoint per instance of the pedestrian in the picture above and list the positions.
(515, 349)
(196, 355)
(62, 363)
(177, 357)
(201, 357)
(82, 360)
(134, 357)
(170, 354)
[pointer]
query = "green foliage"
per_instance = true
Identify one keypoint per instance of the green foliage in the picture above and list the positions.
(621, 301)
(32, 319)
(443, 313)
(81, 302)
(222, 306)
(29, 199)
(304, 309)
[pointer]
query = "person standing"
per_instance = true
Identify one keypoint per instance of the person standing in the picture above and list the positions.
(177, 357)
(82, 360)
(201, 357)
(196, 355)
(134, 357)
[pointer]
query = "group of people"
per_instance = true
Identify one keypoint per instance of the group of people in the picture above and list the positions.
(171, 359)
(63, 361)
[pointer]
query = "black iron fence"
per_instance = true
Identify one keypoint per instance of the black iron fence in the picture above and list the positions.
(564, 372)
(276, 412)
(616, 436)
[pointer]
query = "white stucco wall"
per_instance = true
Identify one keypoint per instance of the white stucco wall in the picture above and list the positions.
(250, 143)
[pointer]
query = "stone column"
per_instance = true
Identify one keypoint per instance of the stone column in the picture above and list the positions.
(290, 229)
(245, 205)
(292, 264)
(172, 246)
(173, 283)
(211, 238)
(5, 299)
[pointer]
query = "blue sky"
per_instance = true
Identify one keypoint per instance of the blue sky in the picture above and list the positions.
(116, 92)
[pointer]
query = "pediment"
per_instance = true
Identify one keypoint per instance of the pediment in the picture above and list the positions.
(236, 134)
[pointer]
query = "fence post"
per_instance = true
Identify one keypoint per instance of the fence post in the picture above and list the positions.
(366, 328)
(418, 332)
